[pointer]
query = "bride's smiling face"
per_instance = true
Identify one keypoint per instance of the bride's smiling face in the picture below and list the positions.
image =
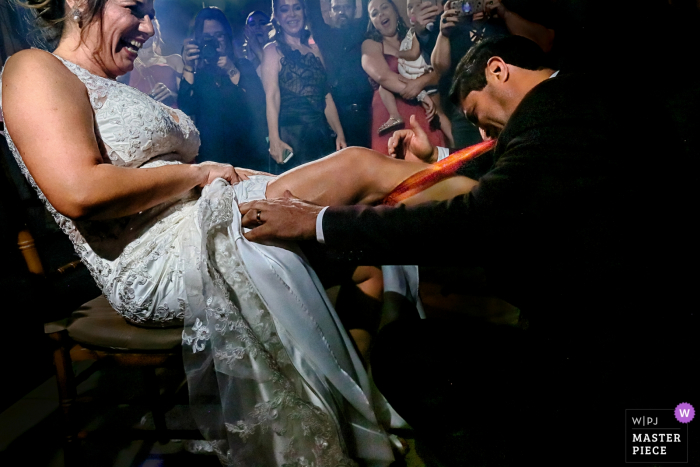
(124, 27)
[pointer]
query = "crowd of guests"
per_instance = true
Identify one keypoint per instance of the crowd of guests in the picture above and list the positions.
(301, 85)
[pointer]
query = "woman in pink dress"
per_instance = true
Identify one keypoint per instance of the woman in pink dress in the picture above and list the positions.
(380, 52)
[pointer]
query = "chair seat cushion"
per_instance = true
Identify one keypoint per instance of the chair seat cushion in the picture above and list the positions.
(96, 324)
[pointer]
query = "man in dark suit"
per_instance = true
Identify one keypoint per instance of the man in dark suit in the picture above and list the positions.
(341, 47)
(574, 225)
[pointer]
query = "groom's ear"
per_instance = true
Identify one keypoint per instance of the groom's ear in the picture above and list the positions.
(497, 70)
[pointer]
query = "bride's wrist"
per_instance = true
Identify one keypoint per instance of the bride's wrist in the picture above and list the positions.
(201, 174)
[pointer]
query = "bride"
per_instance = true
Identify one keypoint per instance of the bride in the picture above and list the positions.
(273, 377)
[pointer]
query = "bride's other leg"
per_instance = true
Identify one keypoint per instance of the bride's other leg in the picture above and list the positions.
(443, 190)
(350, 176)
(370, 283)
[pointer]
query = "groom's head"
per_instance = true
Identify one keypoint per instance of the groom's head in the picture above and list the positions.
(494, 76)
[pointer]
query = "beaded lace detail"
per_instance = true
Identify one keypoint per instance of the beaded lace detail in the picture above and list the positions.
(137, 132)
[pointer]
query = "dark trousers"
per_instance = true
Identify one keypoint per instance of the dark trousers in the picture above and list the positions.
(356, 120)
(486, 395)
(455, 383)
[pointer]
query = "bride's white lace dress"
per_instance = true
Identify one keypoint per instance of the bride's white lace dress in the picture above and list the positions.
(273, 377)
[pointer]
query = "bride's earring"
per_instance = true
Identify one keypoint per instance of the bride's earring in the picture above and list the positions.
(77, 15)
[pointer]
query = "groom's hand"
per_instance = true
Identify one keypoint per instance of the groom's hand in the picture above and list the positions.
(287, 218)
(412, 144)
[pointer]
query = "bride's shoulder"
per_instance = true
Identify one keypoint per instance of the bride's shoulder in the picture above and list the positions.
(34, 81)
(34, 59)
(35, 68)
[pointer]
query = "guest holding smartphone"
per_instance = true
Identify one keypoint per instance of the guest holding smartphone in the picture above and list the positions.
(302, 119)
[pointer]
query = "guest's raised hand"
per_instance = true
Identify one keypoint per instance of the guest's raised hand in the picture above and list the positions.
(287, 218)
(448, 20)
(412, 144)
(426, 14)
(494, 8)
(277, 147)
(252, 40)
(214, 170)
(429, 107)
(190, 53)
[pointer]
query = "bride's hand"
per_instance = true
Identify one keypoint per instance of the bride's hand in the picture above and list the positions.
(216, 170)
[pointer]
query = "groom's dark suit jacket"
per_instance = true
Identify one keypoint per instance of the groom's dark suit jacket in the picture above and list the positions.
(568, 224)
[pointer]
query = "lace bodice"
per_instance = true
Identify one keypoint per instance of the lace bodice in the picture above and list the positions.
(137, 131)
(135, 128)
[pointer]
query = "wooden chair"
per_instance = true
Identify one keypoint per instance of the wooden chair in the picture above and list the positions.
(96, 332)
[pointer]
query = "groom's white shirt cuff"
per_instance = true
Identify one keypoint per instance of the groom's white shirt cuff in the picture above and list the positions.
(319, 226)
(442, 153)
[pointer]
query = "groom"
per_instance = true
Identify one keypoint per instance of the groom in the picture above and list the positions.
(571, 225)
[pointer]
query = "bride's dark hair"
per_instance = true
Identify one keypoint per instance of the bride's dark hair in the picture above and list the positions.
(51, 16)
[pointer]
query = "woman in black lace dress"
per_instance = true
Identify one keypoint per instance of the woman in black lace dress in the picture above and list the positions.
(302, 119)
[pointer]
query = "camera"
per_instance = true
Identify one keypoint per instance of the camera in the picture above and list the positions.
(468, 7)
(207, 51)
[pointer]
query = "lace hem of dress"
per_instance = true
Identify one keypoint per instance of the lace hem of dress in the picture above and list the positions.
(239, 342)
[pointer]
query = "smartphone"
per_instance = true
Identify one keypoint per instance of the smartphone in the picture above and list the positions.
(286, 155)
(468, 7)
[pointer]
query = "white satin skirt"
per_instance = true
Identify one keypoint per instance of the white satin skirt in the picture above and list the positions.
(273, 376)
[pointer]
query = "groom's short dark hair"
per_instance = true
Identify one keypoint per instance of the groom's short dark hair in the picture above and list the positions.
(470, 74)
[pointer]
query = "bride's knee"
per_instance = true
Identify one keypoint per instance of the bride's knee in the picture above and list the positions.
(357, 158)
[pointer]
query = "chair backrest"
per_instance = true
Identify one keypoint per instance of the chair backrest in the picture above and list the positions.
(41, 264)
(26, 245)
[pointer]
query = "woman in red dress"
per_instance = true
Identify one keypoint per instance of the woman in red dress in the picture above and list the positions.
(380, 52)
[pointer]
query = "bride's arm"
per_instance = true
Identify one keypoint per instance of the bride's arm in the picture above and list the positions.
(48, 114)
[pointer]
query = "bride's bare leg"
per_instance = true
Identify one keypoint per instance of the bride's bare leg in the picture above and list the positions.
(351, 176)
